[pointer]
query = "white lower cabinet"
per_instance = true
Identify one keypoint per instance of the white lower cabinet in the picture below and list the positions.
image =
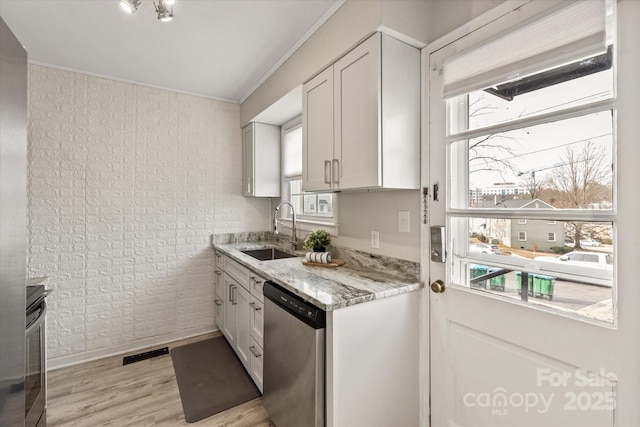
(239, 313)
(230, 328)
(244, 326)
(219, 299)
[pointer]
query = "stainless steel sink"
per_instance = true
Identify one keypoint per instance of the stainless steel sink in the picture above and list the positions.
(268, 254)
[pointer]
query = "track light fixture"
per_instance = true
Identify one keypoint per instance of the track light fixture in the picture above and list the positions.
(164, 14)
(130, 6)
(164, 8)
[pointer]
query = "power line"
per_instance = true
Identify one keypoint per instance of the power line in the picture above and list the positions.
(540, 151)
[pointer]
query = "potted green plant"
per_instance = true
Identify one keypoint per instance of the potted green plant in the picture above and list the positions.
(317, 240)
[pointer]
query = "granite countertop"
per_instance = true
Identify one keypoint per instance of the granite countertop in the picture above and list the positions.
(327, 288)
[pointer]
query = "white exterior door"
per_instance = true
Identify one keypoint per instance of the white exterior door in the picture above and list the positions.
(534, 342)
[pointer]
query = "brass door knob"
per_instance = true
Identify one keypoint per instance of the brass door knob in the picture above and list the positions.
(438, 286)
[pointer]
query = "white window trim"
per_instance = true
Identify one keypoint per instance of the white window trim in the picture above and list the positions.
(303, 222)
(520, 233)
(307, 225)
(522, 221)
(554, 239)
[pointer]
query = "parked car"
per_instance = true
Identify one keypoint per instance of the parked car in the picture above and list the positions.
(589, 243)
(484, 248)
(582, 259)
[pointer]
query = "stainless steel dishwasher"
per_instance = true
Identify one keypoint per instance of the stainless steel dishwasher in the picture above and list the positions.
(294, 359)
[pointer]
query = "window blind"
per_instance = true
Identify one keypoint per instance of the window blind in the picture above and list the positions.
(292, 157)
(571, 32)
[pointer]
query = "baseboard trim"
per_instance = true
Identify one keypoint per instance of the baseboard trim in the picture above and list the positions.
(88, 356)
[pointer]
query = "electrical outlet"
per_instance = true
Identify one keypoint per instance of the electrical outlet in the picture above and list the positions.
(403, 221)
(375, 239)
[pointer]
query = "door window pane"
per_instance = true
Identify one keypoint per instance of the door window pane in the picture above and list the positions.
(566, 164)
(568, 276)
(559, 88)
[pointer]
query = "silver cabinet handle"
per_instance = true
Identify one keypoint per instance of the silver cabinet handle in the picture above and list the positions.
(255, 352)
(255, 280)
(234, 295)
(249, 185)
(231, 295)
(335, 172)
(255, 306)
(327, 168)
(218, 302)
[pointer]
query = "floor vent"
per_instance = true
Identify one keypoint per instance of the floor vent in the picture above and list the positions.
(146, 355)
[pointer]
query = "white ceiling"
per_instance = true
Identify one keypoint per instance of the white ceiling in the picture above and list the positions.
(216, 48)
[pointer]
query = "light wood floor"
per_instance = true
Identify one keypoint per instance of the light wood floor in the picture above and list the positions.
(145, 393)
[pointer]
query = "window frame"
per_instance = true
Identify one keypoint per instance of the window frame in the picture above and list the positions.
(459, 215)
(303, 222)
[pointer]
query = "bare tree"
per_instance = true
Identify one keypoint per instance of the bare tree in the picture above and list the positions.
(580, 179)
(533, 186)
(490, 152)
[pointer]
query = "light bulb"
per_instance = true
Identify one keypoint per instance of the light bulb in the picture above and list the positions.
(130, 6)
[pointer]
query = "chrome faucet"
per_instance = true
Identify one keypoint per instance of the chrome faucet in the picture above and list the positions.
(294, 240)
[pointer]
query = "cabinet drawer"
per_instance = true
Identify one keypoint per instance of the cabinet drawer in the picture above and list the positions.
(257, 356)
(219, 283)
(219, 260)
(237, 271)
(256, 283)
(257, 320)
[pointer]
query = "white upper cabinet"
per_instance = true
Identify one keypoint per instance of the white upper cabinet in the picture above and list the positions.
(361, 120)
(317, 132)
(261, 160)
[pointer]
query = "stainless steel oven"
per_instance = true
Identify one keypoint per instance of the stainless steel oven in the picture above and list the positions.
(35, 382)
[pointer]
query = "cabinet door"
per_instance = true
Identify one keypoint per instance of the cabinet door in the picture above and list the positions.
(230, 324)
(261, 160)
(357, 140)
(317, 132)
(247, 162)
(219, 299)
(244, 326)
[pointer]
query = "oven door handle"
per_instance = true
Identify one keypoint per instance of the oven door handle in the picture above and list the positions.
(39, 320)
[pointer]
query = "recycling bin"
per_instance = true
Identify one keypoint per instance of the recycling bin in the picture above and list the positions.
(543, 286)
(477, 271)
(519, 281)
(496, 283)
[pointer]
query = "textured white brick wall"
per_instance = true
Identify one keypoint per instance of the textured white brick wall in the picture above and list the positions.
(126, 183)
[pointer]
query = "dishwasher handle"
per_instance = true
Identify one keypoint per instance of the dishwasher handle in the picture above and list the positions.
(295, 305)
